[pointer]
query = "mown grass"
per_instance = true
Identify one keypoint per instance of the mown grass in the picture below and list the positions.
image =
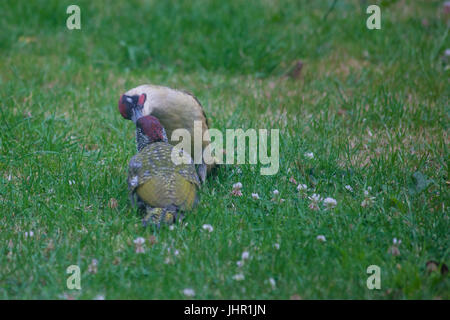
(371, 105)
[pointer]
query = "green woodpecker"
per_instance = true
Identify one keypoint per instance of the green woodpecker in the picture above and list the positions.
(161, 187)
(175, 109)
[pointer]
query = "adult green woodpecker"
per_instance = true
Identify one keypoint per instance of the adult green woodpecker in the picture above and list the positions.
(160, 186)
(175, 109)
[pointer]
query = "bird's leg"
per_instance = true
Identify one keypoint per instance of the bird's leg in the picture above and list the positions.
(167, 217)
(174, 213)
(141, 204)
(156, 216)
(152, 216)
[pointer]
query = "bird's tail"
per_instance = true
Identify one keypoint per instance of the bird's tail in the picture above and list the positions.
(158, 216)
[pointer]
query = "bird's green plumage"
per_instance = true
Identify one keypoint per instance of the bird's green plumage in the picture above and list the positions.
(160, 183)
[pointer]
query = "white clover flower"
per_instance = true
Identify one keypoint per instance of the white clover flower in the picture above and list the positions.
(139, 241)
(240, 263)
(309, 155)
(236, 192)
(330, 203)
(272, 282)
(321, 238)
(302, 187)
(245, 255)
(239, 277)
(447, 51)
(171, 227)
(208, 227)
(349, 188)
(237, 185)
(255, 196)
(188, 292)
(176, 252)
(29, 234)
(276, 246)
(315, 199)
(394, 250)
(276, 196)
(237, 189)
(92, 268)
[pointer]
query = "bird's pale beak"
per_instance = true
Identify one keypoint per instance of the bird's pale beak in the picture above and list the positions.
(136, 113)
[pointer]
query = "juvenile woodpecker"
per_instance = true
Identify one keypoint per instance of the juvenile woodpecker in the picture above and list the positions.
(159, 186)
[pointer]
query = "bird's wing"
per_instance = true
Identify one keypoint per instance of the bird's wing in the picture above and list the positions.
(162, 158)
(160, 182)
(185, 192)
(188, 172)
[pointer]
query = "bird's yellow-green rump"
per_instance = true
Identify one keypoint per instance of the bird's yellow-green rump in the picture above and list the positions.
(159, 185)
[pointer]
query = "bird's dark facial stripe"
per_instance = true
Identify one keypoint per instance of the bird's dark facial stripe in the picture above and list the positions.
(123, 107)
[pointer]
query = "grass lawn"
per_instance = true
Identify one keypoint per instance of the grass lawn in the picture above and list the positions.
(371, 105)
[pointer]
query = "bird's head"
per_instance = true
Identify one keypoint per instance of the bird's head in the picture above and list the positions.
(131, 106)
(151, 128)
